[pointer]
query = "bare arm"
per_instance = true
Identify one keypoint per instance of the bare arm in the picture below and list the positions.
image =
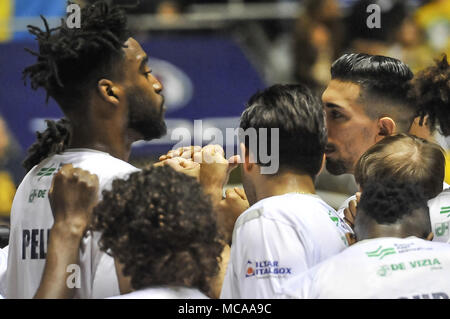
(72, 196)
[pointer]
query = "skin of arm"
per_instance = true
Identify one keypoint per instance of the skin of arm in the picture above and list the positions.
(73, 195)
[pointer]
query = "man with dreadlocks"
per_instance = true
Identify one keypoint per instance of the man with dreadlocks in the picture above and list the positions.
(99, 77)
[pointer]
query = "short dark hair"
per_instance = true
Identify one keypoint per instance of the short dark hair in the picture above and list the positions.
(407, 158)
(161, 226)
(53, 140)
(385, 84)
(390, 202)
(71, 60)
(300, 118)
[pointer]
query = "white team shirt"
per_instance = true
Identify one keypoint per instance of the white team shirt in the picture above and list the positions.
(439, 208)
(383, 268)
(3, 265)
(440, 216)
(31, 220)
(278, 238)
(164, 293)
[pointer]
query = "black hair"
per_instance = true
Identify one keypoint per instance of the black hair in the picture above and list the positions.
(377, 74)
(385, 84)
(431, 94)
(406, 158)
(389, 201)
(161, 226)
(71, 60)
(299, 116)
(390, 88)
(53, 140)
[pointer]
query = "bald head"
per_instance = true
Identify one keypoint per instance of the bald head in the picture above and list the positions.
(408, 159)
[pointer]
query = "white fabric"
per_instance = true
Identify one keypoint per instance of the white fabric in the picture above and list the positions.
(164, 293)
(440, 216)
(344, 205)
(379, 268)
(3, 265)
(277, 238)
(31, 219)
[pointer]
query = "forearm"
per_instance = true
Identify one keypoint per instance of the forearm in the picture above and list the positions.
(63, 250)
(215, 193)
(217, 281)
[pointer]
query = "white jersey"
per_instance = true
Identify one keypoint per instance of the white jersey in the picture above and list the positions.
(31, 220)
(439, 208)
(278, 238)
(164, 293)
(3, 265)
(440, 216)
(383, 268)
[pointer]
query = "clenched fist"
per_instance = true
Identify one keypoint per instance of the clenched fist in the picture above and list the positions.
(73, 195)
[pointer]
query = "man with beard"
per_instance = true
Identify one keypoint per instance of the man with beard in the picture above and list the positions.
(371, 97)
(99, 77)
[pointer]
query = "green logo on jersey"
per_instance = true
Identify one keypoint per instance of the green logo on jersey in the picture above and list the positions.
(381, 253)
(442, 229)
(46, 171)
(384, 271)
(39, 193)
(445, 210)
(334, 219)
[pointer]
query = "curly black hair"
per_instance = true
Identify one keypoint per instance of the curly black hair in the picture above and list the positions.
(431, 93)
(161, 226)
(389, 201)
(71, 59)
(54, 140)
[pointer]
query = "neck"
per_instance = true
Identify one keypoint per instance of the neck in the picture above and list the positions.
(380, 230)
(284, 183)
(102, 136)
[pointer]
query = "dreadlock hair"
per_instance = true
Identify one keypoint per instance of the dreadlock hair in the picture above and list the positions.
(53, 140)
(71, 60)
(431, 93)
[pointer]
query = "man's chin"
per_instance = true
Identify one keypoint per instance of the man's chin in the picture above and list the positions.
(336, 167)
(156, 133)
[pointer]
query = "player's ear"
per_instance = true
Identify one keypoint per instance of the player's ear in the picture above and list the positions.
(386, 126)
(109, 91)
(430, 236)
(351, 238)
(247, 163)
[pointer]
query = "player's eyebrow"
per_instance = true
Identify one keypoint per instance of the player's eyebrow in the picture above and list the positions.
(332, 105)
(144, 62)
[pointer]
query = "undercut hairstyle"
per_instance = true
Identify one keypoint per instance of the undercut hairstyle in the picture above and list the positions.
(390, 202)
(384, 82)
(70, 61)
(431, 93)
(300, 118)
(406, 158)
(53, 140)
(161, 226)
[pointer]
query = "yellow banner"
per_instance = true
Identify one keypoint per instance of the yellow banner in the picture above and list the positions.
(6, 16)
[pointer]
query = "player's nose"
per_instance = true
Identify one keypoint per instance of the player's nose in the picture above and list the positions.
(157, 85)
